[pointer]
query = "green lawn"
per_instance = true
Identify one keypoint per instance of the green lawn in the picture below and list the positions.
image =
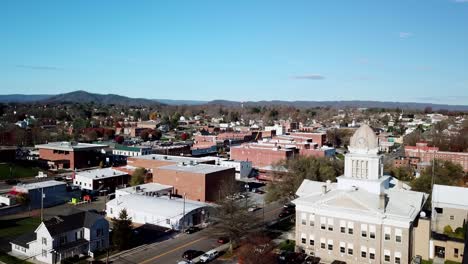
(4, 257)
(16, 227)
(18, 171)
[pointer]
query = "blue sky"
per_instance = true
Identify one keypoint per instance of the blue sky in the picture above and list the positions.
(399, 50)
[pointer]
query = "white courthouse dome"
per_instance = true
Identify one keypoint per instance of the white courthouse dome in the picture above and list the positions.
(364, 141)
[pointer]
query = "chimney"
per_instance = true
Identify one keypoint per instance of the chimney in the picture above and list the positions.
(324, 189)
(382, 201)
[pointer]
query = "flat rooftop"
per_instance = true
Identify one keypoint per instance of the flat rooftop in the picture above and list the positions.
(147, 187)
(70, 146)
(100, 173)
(161, 157)
(196, 168)
(160, 206)
(39, 185)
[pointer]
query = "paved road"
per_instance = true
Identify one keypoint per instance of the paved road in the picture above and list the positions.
(170, 250)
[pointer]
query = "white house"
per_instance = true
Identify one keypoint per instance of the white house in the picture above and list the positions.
(61, 237)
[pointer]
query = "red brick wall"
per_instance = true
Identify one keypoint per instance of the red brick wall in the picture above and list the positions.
(196, 186)
(78, 159)
(260, 157)
(427, 156)
(48, 154)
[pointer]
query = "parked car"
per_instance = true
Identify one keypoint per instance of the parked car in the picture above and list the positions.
(223, 240)
(184, 262)
(191, 254)
(311, 260)
(12, 181)
(286, 212)
(209, 256)
(253, 208)
(192, 230)
(289, 206)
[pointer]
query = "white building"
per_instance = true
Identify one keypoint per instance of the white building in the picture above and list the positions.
(365, 217)
(165, 211)
(61, 237)
(97, 179)
(280, 130)
(243, 168)
(131, 151)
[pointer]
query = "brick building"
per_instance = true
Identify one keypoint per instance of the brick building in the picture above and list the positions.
(200, 182)
(426, 154)
(72, 155)
(268, 152)
(319, 138)
(262, 155)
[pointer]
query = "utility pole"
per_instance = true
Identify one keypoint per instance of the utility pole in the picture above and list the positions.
(42, 204)
(183, 216)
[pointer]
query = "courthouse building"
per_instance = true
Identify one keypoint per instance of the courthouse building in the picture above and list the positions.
(365, 217)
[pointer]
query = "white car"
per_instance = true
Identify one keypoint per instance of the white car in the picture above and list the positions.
(185, 262)
(209, 256)
(253, 208)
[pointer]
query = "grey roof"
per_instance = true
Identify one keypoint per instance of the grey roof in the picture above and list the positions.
(161, 206)
(24, 239)
(39, 185)
(64, 223)
(401, 204)
(70, 146)
(100, 173)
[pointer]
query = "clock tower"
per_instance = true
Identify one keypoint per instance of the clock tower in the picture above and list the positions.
(363, 165)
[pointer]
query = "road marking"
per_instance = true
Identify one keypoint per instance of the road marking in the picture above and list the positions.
(175, 249)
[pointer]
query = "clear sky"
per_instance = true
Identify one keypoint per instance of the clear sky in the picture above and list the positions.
(395, 50)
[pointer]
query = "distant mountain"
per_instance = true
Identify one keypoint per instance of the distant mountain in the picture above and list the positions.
(83, 96)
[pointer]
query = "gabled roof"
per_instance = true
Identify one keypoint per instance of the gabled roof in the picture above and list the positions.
(63, 223)
(24, 239)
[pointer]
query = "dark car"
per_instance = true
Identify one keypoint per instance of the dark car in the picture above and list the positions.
(338, 262)
(311, 260)
(286, 212)
(12, 181)
(223, 240)
(192, 230)
(191, 254)
(289, 206)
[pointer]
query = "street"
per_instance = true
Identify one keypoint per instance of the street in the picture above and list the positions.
(171, 250)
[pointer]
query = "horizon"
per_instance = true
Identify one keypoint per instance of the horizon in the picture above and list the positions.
(245, 51)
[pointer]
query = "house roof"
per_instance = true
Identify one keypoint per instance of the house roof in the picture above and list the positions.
(64, 223)
(24, 239)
